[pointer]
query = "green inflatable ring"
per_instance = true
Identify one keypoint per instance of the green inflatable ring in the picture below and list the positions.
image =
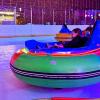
(56, 71)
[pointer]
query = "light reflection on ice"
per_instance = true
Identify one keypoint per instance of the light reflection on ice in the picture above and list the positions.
(6, 53)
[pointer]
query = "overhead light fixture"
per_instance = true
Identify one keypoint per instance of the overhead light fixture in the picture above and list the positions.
(20, 9)
(99, 14)
(6, 13)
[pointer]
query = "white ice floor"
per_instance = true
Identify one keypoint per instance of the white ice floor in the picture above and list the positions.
(12, 88)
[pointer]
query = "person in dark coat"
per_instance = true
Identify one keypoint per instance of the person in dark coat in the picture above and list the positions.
(77, 40)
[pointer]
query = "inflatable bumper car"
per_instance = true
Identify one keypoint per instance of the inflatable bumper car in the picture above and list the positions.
(64, 34)
(59, 68)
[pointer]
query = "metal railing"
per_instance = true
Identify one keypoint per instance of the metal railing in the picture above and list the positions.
(49, 16)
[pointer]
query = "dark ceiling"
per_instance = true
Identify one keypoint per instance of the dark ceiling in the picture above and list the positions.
(53, 4)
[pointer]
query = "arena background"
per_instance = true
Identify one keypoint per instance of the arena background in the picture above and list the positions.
(52, 11)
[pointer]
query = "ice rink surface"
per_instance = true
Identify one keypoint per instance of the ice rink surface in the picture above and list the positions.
(12, 88)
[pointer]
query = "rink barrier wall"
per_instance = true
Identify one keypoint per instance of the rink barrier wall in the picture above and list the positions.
(33, 30)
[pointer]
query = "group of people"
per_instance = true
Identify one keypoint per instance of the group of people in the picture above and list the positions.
(79, 39)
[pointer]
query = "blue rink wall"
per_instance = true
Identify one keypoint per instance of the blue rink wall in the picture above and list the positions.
(19, 30)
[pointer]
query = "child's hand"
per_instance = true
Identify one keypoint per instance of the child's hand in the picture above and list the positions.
(61, 46)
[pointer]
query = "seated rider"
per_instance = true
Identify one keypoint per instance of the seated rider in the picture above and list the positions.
(87, 33)
(76, 42)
